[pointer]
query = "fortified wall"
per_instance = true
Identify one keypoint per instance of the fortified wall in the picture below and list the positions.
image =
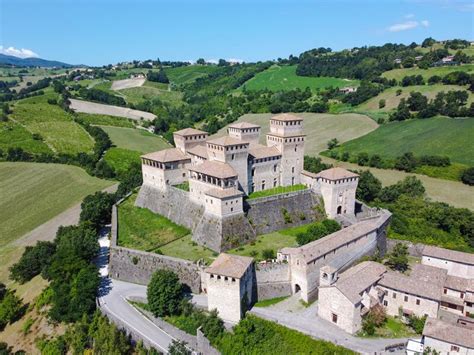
(221, 233)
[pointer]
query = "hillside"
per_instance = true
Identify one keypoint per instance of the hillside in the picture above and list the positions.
(398, 74)
(32, 62)
(277, 78)
(433, 136)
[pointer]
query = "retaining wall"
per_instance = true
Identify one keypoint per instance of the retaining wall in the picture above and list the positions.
(414, 249)
(203, 344)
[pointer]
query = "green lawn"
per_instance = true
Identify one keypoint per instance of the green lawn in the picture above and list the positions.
(139, 228)
(274, 241)
(392, 328)
(398, 74)
(185, 248)
(188, 74)
(106, 120)
(13, 135)
(33, 193)
(55, 126)
(270, 302)
(135, 139)
(278, 78)
(276, 191)
(120, 159)
(318, 127)
(433, 136)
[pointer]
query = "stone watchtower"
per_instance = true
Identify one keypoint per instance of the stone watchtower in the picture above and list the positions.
(244, 131)
(286, 134)
(188, 138)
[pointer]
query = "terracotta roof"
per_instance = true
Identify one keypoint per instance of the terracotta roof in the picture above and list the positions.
(224, 193)
(215, 169)
(459, 283)
(226, 141)
(230, 265)
(286, 117)
(199, 150)
(167, 155)
(318, 248)
(285, 135)
(190, 132)
(448, 332)
(336, 174)
(259, 151)
(358, 278)
(428, 273)
(243, 125)
(441, 253)
(412, 285)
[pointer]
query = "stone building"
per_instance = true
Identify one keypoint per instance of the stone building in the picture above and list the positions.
(230, 285)
(344, 299)
(448, 338)
(455, 262)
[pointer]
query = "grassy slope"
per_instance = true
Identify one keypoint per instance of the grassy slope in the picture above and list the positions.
(120, 159)
(426, 73)
(13, 135)
(135, 139)
(319, 128)
(106, 120)
(139, 228)
(274, 241)
(185, 75)
(149, 92)
(392, 100)
(185, 248)
(57, 127)
(284, 78)
(435, 136)
(31, 194)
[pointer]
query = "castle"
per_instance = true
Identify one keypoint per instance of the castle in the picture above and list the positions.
(220, 172)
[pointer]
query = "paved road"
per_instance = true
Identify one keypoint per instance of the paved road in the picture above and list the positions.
(306, 321)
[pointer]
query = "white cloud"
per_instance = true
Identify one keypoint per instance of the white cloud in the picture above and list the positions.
(407, 25)
(408, 16)
(235, 60)
(425, 23)
(20, 53)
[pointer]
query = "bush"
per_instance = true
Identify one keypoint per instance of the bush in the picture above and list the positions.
(417, 323)
(468, 176)
(11, 307)
(317, 230)
(268, 254)
(398, 258)
(164, 293)
(382, 103)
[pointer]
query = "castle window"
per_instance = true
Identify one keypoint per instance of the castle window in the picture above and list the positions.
(334, 318)
(232, 209)
(212, 276)
(233, 279)
(417, 302)
(385, 303)
(394, 295)
(233, 156)
(225, 278)
(218, 277)
(274, 182)
(406, 299)
(263, 184)
(292, 169)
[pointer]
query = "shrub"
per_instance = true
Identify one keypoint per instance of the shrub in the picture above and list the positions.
(468, 176)
(268, 254)
(398, 258)
(286, 216)
(33, 261)
(164, 293)
(382, 103)
(417, 323)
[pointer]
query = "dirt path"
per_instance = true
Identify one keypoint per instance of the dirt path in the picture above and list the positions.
(127, 83)
(101, 109)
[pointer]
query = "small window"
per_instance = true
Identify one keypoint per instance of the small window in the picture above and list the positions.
(417, 302)
(385, 303)
(406, 298)
(233, 156)
(394, 295)
(334, 318)
(454, 348)
(445, 291)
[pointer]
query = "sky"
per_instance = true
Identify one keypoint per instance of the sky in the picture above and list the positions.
(99, 32)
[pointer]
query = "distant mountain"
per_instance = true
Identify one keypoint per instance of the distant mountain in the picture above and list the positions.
(32, 62)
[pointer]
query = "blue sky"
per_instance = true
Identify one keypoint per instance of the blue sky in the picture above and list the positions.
(97, 32)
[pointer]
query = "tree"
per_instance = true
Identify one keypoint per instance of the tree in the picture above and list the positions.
(362, 158)
(408, 62)
(33, 261)
(201, 61)
(97, 209)
(213, 326)
(468, 176)
(402, 113)
(268, 254)
(406, 162)
(375, 161)
(164, 293)
(398, 258)
(417, 102)
(428, 42)
(178, 347)
(223, 63)
(10, 308)
(333, 143)
(369, 186)
(159, 77)
(382, 103)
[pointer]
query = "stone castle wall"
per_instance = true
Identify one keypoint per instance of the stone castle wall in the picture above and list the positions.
(273, 280)
(138, 266)
(267, 214)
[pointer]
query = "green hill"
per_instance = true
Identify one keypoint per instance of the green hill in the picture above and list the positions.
(279, 78)
(433, 136)
(188, 74)
(398, 74)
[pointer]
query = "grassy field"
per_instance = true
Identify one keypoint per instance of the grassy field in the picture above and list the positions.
(392, 328)
(392, 100)
(31, 194)
(270, 302)
(433, 136)
(277, 78)
(141, 229)
(276, 191)
(135, 139)
(188, 74)
(398, 74)
(274, 241)
(185, 248)
(149, 92)
(319, 128)
(53, 124)
(120, 159)
(106, 120)
(13, 135)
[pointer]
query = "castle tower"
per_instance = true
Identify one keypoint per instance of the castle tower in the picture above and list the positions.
(286, 134)
(338, 187)
(188, 138)
(233, 152)
(244, 131)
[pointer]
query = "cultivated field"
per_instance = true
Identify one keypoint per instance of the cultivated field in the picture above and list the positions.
(188, 74)
(278, 78)
(135, 139)
(101, 109)
(120, 159)
(452, 192)
(392, 100)
(149, 92)
(105, 120)
(33, 193)
(433, 136)
(14, 135)
(53, 124)
(127, 83)
(427, 73)
(319, 128)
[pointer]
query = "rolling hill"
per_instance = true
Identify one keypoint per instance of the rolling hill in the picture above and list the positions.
(33, 62)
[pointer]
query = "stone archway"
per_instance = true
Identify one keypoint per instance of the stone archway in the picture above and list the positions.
(339, 209)
(297, 288)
